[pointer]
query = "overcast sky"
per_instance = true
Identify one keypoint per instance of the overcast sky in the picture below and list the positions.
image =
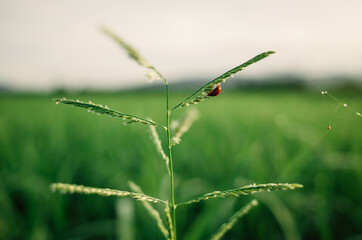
(48, 43)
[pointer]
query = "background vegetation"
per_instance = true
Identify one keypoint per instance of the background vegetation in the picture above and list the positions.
(242, 137)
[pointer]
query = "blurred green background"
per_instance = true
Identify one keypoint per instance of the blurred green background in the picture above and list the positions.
(242, 137)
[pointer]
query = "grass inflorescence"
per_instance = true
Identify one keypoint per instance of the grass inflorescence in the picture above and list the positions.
(173, 137)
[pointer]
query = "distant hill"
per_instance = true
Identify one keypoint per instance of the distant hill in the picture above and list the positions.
(273, 82)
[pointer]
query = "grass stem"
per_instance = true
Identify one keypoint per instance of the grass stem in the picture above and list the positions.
(169, 145)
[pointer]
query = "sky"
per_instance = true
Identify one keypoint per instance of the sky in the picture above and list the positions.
(46, 44)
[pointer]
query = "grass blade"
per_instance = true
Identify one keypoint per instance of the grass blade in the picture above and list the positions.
(99, 109)
(151, 210)
(106, 192)
(246, 190)
(202, 94)
(233, 219)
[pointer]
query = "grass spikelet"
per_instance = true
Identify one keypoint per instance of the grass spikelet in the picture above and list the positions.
(151, 210)
(158, 145)
(152, 74)
(233, 219)
(132, 53)
(185, 125)
(246, 190)
(106, 192)
(169, 220)
(99, 109)
(202, 94)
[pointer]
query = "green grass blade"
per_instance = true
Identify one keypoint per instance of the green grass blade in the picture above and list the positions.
(246, 190)
(202, 94)
(99, 109)
(233, 219)
(151, 210)
(106, 192)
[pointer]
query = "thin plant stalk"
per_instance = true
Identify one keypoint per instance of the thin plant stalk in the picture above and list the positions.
(169, 146)
(173, 206)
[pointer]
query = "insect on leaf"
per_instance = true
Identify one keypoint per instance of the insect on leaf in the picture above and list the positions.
(204, 92)
(246, 190)
(99, 109)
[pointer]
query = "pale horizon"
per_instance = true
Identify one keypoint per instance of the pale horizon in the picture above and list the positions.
(48, 44)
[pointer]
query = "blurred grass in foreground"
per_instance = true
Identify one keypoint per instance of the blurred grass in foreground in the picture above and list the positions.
(241, 138)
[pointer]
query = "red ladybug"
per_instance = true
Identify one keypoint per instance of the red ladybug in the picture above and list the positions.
(215, 91)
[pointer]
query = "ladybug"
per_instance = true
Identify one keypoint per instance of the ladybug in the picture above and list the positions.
(215, 91)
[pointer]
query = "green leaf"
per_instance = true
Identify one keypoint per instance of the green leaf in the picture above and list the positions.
(99, 109)
(246, 190)
(106, 192)
(202, 94)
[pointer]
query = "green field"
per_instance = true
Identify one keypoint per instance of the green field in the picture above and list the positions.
(242, 137)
